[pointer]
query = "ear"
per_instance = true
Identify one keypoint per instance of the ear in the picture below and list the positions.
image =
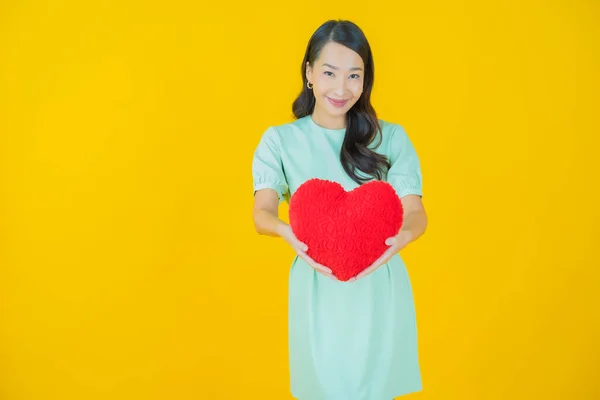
(308, 72)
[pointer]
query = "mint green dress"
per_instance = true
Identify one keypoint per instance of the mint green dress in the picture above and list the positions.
(347, 340)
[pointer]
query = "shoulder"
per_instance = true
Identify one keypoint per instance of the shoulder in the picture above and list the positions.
(392, 135)
(277, 132)
(390, 129)
(293, 127)
(287, 134)
(395, 140)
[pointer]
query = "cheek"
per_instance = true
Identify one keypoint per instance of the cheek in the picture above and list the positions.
(322, 83)
(356, 89)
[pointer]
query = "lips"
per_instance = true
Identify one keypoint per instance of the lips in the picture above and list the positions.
(337, 103)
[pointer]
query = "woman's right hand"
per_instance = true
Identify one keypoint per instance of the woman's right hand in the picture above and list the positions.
(288, 235)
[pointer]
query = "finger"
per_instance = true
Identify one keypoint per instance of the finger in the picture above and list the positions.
(367, 271)
(322, 270)
(317, 265)
(313, 263)
(387, 255)
(329, 275)
(300, 245)
(378, 263)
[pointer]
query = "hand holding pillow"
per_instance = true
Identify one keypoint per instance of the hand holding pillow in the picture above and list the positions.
(347, 231)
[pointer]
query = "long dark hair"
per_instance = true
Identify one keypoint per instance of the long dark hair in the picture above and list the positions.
(362, 125)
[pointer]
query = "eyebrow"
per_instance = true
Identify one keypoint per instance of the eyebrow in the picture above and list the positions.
(334, 67)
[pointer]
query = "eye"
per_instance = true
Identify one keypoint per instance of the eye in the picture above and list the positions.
(328, 72)
(357, 76)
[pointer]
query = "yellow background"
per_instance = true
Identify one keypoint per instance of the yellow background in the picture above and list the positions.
(129, 264)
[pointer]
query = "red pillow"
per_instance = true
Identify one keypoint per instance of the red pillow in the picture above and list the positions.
(345, 231)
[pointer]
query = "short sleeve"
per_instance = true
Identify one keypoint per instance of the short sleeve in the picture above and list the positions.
(267, 167)
(405, 171)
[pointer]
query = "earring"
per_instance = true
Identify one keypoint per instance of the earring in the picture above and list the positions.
(311, 85)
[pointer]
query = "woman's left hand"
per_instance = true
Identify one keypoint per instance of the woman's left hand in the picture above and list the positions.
(396, 244)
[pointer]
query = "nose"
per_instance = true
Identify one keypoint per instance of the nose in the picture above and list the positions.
(340, 89)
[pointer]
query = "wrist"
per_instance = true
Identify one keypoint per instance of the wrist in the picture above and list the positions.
(282, 228)
(408, 235)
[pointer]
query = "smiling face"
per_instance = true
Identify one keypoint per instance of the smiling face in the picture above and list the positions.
(337, 78)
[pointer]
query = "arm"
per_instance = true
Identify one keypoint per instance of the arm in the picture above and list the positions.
(267, 222)
(413, 226)
(415, 217)
(405, 176)
(266, 213)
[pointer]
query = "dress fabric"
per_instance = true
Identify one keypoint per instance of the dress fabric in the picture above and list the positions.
(347, 340)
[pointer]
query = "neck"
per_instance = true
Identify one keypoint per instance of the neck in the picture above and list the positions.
(327, 121)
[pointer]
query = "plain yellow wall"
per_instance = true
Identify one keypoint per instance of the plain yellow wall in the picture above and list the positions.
(129, 264)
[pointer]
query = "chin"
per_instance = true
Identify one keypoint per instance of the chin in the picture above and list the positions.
(337, 111)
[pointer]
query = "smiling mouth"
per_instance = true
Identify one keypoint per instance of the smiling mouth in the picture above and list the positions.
(337, 103)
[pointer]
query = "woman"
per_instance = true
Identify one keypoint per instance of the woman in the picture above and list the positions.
(354, 340)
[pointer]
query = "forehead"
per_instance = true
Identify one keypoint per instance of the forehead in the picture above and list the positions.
(339, 56)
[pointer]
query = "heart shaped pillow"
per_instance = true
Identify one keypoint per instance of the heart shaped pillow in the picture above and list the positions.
(345, 231)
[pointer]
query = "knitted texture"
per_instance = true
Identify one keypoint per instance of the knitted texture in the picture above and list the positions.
(345, 231)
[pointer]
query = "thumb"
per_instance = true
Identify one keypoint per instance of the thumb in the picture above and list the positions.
(390, 241)
(303, 247)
